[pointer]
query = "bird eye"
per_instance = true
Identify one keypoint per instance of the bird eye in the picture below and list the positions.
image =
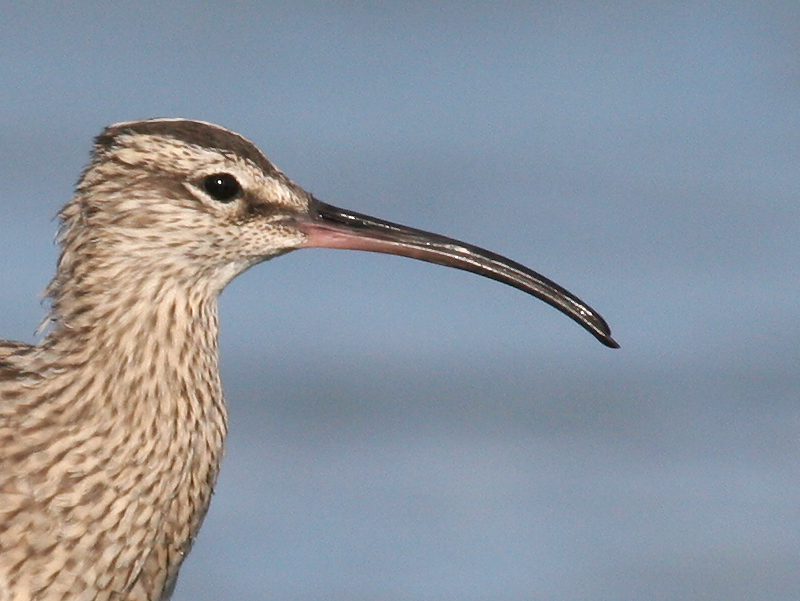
(221, 186)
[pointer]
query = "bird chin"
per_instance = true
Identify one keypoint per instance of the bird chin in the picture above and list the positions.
(228, 271)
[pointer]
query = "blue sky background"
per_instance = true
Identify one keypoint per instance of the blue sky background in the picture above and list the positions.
(403, 432)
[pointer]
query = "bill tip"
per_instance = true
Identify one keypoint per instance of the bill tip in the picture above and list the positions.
(609, 341)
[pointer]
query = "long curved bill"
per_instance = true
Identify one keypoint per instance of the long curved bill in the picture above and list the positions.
(326, 226)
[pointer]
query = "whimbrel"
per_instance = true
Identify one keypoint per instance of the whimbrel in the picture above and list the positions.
(112, 426)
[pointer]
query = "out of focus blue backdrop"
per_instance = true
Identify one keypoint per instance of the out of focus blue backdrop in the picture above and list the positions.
(404, 432)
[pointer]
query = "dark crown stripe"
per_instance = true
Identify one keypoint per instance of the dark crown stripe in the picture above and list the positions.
(197, 133)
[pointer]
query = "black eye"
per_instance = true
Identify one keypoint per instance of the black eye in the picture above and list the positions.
(221, 186)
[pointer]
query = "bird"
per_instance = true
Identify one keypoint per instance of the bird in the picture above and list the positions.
(112, 425)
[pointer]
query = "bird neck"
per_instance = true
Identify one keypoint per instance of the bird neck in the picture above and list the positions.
(155, 340)
(135, 370)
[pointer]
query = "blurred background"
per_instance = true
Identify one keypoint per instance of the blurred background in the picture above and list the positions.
(400, 431)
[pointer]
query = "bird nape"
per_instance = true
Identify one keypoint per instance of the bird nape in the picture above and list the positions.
(112, 426)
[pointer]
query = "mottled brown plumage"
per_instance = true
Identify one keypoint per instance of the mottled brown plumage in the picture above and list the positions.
(112, 426)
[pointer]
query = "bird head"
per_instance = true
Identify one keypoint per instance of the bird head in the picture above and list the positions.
(197, 203)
